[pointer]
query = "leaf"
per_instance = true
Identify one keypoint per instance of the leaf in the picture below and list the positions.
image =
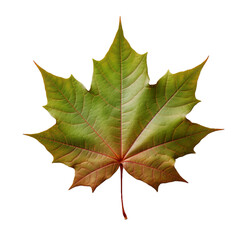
(122, 121)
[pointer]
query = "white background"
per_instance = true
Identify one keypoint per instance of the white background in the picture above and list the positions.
(63, 37)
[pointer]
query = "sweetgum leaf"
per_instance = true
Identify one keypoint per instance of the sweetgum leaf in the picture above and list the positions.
(122, 121)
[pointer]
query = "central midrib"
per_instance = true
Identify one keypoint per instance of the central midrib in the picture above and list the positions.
(121, 79)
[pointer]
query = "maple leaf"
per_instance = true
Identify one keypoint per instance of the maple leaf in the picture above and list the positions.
(122, 121)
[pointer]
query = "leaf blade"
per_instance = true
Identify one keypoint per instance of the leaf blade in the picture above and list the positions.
(122, 120)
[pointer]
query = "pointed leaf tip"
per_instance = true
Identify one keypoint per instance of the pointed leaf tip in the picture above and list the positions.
(206, 59)
(35, 63)
(40, 69)
(29, 135)
(184, 180)
(217, 129)
(203, 63)
(120, 30)
(93, 189)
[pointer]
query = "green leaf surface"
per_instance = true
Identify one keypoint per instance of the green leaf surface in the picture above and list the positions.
(122, 121)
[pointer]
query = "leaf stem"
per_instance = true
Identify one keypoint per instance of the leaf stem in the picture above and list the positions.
(121, 176)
